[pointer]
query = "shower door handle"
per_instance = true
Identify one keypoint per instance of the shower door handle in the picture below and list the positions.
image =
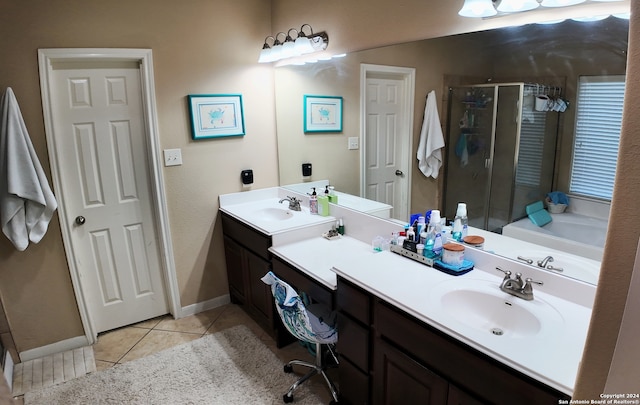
(487, 163)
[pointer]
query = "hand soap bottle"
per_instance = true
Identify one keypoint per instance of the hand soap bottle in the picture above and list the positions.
(460, 223)
(323, 205)
(313, 202)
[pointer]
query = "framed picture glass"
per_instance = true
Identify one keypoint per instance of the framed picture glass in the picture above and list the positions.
(216, 115)
(322, 114)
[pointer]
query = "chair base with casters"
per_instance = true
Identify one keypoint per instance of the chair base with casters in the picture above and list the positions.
(315, 327)
(319, 367)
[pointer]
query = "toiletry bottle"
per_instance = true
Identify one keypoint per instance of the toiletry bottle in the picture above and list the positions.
(460, 223)
(340, 227)
(433, 244)
(411, 235)
(313, 202)
(323, 205)
(333, 197)
(421, 227)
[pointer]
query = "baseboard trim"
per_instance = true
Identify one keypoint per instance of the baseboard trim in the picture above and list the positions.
(57, 347)
(8, 370)
(205, 305)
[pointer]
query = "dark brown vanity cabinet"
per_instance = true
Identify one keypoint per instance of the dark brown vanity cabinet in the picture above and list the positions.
(394, 358)
(248, 260)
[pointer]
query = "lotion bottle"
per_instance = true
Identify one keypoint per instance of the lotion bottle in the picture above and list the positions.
(313, 202)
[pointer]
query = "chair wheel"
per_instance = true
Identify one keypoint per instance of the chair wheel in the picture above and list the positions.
(288, 368)
(287, 399)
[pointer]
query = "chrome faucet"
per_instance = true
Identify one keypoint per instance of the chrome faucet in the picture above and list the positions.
(294, 203)
(543, 263)
(516, 286)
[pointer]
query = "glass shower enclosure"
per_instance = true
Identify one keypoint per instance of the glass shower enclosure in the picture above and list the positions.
(500, 151)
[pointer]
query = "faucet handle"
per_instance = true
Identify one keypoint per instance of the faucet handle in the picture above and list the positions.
(507, 273)
(529, 280)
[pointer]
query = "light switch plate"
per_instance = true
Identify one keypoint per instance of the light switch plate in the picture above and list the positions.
(172, 157)
(353, 142)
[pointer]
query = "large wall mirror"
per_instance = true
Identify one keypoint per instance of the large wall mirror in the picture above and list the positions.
(534, 53)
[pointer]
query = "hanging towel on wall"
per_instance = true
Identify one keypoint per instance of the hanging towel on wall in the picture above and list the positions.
(431, 139)
(26, 201)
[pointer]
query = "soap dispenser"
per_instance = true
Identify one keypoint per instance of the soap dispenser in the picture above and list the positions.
(313, 202)
(433, 244)
(460, 223)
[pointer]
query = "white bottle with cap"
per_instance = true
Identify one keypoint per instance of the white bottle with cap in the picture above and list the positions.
(460, 223)
(433, 244)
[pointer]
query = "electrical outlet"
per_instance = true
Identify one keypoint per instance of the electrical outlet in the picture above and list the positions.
(353, 142)
(172, 157)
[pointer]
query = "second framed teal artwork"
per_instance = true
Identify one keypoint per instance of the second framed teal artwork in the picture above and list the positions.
(322, 114)
(216, 115)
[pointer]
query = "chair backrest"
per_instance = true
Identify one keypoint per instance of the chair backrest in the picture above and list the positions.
(301, 323)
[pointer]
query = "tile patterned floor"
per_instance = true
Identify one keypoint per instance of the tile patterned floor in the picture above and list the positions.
(148, 337)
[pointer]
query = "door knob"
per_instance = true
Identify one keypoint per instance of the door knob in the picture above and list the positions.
(399, 173)
(80, 220)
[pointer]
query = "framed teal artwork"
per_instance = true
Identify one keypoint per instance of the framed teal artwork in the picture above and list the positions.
(322, 114)
(216, 115)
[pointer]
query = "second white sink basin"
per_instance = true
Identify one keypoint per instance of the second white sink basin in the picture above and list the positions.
(482, 306)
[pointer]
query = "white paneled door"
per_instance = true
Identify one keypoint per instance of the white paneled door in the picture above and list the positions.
(386, 144)
(97, 115)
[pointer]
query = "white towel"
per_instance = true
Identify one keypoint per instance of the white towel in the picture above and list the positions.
(431, 139)
(26, 201)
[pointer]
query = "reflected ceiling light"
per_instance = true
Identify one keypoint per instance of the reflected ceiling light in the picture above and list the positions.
(477, 8)
(624, 16)
(560, 3)
(290, 48)
(551, 22)
(513, 6)
(490, 8)
(591, 18)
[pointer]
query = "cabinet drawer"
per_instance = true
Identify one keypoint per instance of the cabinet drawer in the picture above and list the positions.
(462, 365)
(303, 283)
(353, 342)
(354, 384)
(353, 301)
(246, 236)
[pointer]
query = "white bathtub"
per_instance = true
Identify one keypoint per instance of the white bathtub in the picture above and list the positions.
(572, 233)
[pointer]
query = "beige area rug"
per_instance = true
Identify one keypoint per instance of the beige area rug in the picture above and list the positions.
(228, 367)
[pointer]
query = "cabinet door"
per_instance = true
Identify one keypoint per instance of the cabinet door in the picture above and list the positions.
(398, 379)
(260, 299)
(459, 397)
(236, 272)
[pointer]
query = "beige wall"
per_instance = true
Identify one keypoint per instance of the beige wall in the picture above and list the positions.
(188, 40)
(199, 46)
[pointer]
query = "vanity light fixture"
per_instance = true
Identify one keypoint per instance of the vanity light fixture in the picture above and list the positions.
(303, 44)
(490, 8)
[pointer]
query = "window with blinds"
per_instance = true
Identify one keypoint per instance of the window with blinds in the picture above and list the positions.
(598, 122)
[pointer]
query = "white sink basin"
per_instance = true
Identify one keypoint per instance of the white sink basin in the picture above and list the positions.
(483, 307)
(275, 214)
(271, 216)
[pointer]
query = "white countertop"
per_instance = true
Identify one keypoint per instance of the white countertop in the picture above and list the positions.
(316, 257)
(552, 356)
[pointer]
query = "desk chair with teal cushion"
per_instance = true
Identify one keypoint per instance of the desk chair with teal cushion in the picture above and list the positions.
(311, 325)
